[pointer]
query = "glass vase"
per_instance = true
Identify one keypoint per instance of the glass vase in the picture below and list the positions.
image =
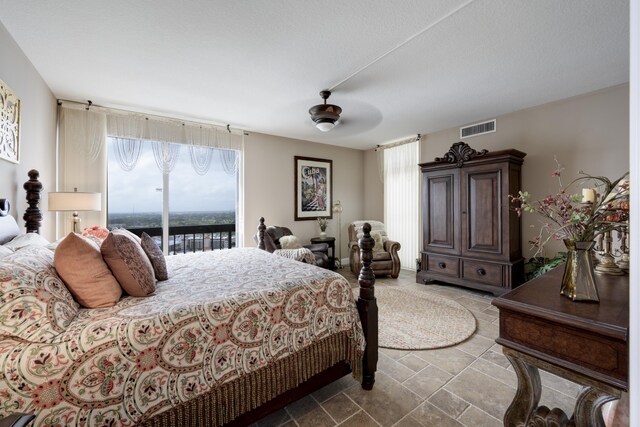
(579, 280)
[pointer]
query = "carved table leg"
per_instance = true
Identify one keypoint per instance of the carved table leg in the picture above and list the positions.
(527, 395)
(589, 403)
(524, 410)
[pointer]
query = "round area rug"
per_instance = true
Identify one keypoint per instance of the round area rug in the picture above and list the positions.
(417, 320)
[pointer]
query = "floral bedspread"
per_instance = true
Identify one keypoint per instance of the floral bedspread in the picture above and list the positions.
(220, 315)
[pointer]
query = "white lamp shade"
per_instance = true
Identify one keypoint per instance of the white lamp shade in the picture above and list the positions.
(74, 201)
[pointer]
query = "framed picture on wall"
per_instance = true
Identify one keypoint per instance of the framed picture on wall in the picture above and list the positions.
(9, 124)
(313, 188)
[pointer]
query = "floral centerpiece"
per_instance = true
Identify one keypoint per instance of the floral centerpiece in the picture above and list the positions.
(577, 218)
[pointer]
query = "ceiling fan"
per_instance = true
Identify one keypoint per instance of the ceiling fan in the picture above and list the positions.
(325, 116)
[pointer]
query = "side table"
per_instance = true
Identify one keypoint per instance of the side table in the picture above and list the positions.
(331, 241)
(584, 342)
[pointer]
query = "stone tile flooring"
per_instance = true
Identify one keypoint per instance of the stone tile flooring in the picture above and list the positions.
(470, 384)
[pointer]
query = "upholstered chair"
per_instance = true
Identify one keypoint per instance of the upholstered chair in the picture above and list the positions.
(272, 236)
(385, 252)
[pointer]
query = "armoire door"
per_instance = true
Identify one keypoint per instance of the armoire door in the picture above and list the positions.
(482, 207)
(440, 204)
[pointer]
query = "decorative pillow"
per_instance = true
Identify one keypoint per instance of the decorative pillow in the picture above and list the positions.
(379, 241)
(96, 231)
(155, 255)
(79, 263)
(130, 234)
(34, 303)
(289, 242)
(128, 263)
(23, 240)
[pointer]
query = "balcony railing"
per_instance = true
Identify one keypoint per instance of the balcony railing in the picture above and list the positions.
(193, 238)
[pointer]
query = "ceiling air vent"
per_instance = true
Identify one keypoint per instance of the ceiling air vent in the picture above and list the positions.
(478, 129)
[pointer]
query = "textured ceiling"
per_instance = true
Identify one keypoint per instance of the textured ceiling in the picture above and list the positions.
(396, 68)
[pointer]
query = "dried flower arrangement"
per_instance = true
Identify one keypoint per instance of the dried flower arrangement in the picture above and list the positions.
(578, 217)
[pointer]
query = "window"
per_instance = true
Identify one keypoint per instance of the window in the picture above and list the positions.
(190, 208)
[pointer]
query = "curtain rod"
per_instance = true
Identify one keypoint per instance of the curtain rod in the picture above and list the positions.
(416, 138)
(89, 105)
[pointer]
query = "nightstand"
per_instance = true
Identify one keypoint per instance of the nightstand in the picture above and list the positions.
(331, 241)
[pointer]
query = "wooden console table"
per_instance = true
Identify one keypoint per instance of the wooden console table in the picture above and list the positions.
(586, 343)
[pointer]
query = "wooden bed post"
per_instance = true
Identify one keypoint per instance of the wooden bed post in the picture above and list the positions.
(368, 308)
(261, 229)
(32, 216)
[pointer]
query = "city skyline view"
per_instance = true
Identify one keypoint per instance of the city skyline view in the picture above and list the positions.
(139, 191)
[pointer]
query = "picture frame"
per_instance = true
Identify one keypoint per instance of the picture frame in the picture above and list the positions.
(9, 124)
(313, 188)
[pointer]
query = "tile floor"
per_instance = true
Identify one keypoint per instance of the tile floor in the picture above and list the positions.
(470, 384)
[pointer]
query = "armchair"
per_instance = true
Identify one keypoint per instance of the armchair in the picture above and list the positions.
(385, 260)
(272, 236)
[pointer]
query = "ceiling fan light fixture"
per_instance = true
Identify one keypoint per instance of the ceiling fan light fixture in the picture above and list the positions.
(325, 125)
(325, 116)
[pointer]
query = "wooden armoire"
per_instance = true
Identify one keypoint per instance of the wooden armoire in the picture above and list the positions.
(470, 236)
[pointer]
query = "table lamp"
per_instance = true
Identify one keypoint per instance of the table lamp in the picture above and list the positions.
(73, 202)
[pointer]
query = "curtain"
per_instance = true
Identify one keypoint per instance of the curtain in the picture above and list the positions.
(82, 160)
(128, 152)
(240, 199)
(198, 137)
(82, 152)
(401, 200)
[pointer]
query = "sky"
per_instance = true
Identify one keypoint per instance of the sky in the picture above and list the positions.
(140, 190)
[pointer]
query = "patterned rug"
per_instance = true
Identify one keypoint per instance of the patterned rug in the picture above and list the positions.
(416, 320)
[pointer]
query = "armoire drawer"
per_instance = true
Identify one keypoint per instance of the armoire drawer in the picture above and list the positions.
(490, 274)
(448, 266)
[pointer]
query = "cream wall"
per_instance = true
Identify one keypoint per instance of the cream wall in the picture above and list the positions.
(373, 188)
(589, 132)
(37, 131)
(269, 185)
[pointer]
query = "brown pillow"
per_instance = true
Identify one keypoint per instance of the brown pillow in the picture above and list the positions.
(79, 264)
(156, 257)
(128, 263)
(130, 234)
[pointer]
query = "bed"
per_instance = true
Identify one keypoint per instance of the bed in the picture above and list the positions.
(231, 336)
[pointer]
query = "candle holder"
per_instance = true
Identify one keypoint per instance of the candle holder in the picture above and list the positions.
(607, 264)
(623, 236)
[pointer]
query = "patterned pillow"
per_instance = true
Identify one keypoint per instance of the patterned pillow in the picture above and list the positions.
(128, 263)
(130, 234)
(156, 257)
(96, 231)
(34, 303)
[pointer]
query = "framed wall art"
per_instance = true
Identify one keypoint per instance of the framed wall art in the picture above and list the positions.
(9, 124)
(313, 188)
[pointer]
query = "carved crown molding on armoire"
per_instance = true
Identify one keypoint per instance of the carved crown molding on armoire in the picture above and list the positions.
(459, 153)
(470, 235)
